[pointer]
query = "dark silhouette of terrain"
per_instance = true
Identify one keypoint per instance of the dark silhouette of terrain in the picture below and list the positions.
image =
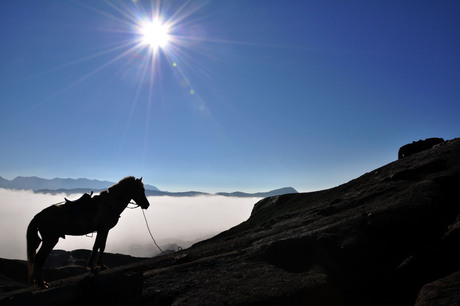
(418, 146)
(59, 265)
(389, 237)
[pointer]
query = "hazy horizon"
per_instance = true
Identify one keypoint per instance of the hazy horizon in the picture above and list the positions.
(113, 182)
(173, 220)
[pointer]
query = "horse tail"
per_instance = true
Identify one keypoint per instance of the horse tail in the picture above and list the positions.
(33, 241)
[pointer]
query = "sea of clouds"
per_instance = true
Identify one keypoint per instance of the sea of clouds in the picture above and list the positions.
(174, 221)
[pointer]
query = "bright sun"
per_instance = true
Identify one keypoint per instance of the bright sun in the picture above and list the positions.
(155, 34)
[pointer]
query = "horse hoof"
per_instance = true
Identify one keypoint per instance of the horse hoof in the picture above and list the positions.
(43, 285)
(103, 267)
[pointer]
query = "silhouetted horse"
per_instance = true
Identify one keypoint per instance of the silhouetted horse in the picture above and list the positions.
(86, 215)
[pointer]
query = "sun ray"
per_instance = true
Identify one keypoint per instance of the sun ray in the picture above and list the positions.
(181, 14)
(153, 37)
(126, 21)
(87, 76)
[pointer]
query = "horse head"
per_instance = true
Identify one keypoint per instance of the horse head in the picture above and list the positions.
(130, 188)
(139, 194)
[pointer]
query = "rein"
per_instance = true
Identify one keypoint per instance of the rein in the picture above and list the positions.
(179, 248)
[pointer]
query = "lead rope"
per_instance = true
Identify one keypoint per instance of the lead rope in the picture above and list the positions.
(146, 223)
(150, 232)
(179, 248)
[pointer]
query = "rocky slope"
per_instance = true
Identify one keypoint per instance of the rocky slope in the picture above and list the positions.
(389, 237)
(60, 264)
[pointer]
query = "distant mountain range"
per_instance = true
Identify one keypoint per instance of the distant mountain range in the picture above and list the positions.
(272, 193)
(37, 183)
(82, 185)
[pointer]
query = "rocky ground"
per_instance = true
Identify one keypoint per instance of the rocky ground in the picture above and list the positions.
(59, 265)
(389, 237)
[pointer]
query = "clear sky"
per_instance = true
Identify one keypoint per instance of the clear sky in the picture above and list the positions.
(240, 95)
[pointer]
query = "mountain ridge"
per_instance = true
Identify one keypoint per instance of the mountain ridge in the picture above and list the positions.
(37, 183)
(275, 192)
(84, 185)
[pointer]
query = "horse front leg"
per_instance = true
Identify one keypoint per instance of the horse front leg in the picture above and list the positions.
(98, 249)
(103, 241)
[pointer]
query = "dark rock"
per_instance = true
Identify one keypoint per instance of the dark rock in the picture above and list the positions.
(418, 146)
(60, 264)
(444, 291)
(79, 258)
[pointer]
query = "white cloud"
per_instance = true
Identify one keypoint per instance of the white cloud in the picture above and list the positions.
(172, 220)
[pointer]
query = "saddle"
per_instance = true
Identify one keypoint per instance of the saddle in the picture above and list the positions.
(83, 199)
(84, 203)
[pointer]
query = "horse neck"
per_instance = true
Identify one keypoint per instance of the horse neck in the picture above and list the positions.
(117, 200)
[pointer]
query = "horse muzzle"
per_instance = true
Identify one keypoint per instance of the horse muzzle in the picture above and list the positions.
(144, 204)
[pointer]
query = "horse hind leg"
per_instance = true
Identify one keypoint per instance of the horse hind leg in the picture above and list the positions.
(33, 241)
(40, 258)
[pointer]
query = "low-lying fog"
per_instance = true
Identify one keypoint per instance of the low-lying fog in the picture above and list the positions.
(174, 221)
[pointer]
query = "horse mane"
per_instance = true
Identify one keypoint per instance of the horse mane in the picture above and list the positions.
(123, 181)
(122, 184)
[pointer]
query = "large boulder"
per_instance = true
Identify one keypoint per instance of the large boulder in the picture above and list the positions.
(444, 291)
(418, 146)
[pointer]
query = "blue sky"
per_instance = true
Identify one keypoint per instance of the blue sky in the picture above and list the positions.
(248, 95)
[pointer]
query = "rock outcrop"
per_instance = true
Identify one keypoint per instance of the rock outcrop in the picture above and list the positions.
(418, 146)
(389, 237)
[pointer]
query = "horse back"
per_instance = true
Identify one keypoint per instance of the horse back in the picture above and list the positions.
(78, 217)
(85, 206)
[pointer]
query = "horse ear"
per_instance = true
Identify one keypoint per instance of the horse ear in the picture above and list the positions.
(140, 179)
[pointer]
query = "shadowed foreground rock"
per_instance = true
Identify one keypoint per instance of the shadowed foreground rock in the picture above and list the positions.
(389, 237)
